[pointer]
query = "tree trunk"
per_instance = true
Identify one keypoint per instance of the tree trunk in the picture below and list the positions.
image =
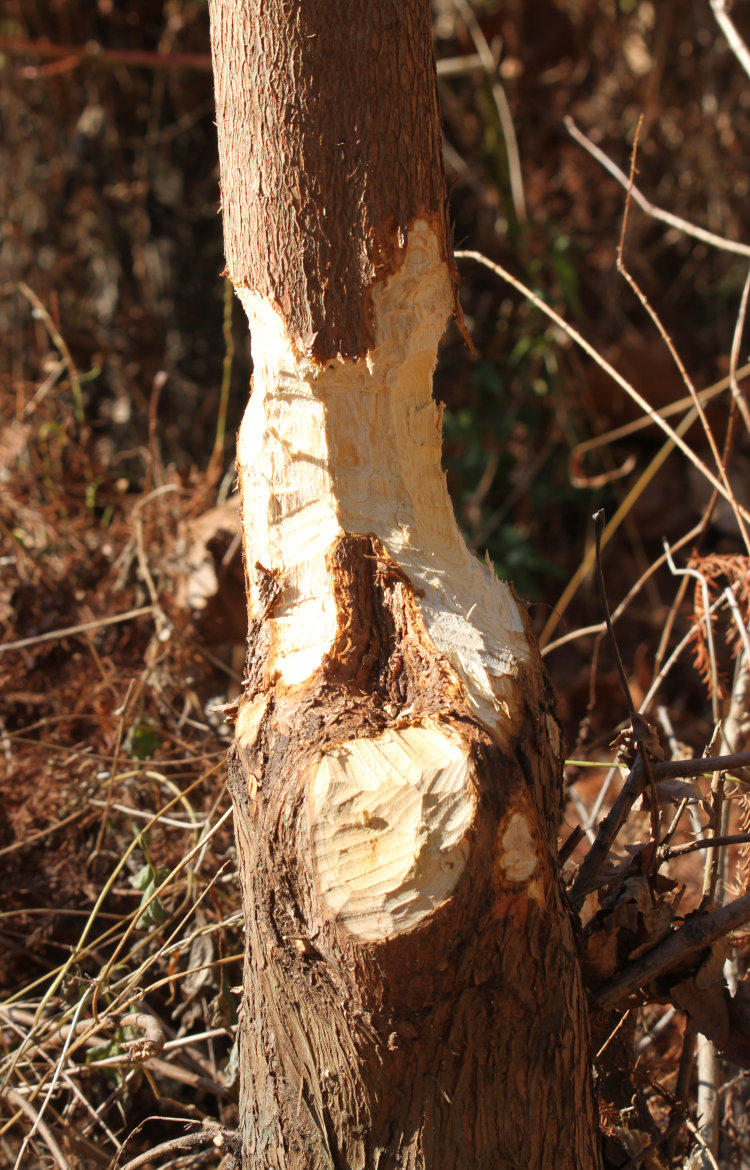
(412, 995)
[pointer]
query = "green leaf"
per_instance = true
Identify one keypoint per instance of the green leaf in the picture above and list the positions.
(147, 880)
(144, 741)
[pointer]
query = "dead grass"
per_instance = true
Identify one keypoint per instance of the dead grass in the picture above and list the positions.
(121, 596)
(119, 909)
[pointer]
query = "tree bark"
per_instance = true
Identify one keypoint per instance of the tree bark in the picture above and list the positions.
(412, 993)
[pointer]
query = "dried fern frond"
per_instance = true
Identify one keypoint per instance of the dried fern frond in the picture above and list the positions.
(719, 572)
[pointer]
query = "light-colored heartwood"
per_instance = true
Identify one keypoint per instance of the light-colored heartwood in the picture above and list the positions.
(355, 447)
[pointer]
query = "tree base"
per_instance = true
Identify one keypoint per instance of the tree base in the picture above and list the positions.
(392, 1029)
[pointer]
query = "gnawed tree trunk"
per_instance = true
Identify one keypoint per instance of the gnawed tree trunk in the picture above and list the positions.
(412, 994)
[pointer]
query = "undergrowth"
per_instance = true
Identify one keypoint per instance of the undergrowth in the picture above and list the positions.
(122, 594)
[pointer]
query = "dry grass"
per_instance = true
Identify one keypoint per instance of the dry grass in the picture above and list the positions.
(120, 918)
(119, 912)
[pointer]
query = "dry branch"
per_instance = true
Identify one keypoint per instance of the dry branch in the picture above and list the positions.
(696, 935)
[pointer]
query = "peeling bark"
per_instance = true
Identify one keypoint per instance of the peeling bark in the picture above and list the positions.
(412, 993)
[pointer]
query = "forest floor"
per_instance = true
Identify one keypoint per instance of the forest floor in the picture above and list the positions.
(124, 373)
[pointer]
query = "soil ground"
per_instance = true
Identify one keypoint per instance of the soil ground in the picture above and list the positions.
(124, 372)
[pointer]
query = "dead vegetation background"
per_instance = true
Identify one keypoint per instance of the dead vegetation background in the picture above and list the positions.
(124, 375)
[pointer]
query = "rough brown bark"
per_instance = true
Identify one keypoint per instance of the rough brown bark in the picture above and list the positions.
(412, 994)
(334, 150)
(461, 1044)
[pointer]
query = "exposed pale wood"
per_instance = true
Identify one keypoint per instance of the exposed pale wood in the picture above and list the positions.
(412, 994)
(412, 990)
(389, 818)
(379, 1028)
(355, 447)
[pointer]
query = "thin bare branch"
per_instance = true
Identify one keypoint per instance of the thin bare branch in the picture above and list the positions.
(656, 319)
(639, 424)
(489, 64)
(739, 329)
(98, 624)
(62, 346)
(704, 843)
(19, 1101)
(634, 590)
(669, 663)
(646, 205)
(736, 43)
(609, 369)
(701, 766)
(588, 874)
(95, 54)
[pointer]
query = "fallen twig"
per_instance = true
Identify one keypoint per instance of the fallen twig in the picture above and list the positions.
(217, 1136)
(67, 631)
(19, 1101)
